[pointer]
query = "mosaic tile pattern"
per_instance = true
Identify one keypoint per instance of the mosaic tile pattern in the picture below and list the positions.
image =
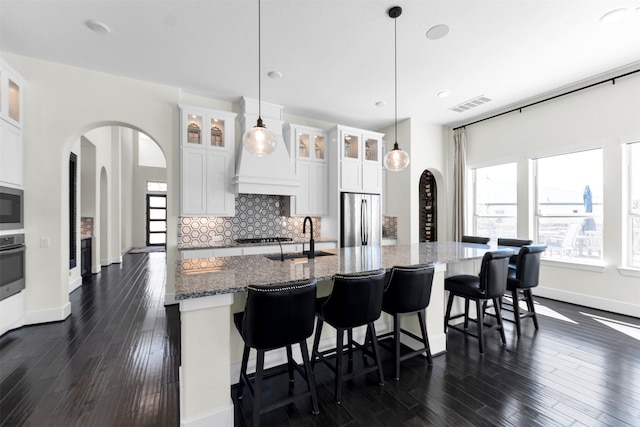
(257, 215)
(390, 227)
(86, 226)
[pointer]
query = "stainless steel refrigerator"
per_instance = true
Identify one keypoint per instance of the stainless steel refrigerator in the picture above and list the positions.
(361, 220)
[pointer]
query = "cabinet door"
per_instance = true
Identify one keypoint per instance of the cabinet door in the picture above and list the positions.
(303, 199)
(194, 185)
(220, 200)
(350, 176)
(11, 156)
(318, 184)
(371, 177)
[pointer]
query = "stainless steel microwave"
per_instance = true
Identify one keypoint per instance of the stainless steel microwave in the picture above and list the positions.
(11, 208)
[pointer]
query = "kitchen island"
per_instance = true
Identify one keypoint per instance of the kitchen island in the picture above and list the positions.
(211, 289)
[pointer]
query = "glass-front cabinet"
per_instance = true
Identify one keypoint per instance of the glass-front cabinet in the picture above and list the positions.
(307, 149)
(205, 130)
(359, 158)
(207, 161)
(10, 96)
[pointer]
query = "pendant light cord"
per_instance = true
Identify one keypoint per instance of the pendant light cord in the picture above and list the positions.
(395, 73)
(259, 63)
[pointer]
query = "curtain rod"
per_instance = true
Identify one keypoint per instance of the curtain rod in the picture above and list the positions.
(611, 79)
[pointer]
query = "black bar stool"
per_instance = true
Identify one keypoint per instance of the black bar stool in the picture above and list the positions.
(408, 291)
(522, 280)
(515, 243)
(475, 239)
(355, 300)
(275, 317)
(489, 285)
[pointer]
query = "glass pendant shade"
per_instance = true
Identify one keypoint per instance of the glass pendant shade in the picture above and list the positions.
(396, 159)
(259, 140)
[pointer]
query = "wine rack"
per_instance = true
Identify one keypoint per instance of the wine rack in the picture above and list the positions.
(428, 208)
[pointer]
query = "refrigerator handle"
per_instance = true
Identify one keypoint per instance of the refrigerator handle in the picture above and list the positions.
(364, 223)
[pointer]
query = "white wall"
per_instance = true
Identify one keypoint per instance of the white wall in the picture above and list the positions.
(597, 117)
(62, 103)
(424, 142)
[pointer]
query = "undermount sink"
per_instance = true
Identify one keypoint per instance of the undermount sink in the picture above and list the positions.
(296, 255)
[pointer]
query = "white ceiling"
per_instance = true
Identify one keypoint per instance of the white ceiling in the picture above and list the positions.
(337, 55)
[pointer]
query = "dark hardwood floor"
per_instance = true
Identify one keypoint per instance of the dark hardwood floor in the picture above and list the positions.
(114, 362)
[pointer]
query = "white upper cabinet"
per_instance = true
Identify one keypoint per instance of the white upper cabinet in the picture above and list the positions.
(207, 160)
(10, 96)
(360, 159)
(307, 149)
(11, 137)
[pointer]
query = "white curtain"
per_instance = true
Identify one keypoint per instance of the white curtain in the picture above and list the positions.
(459, 174)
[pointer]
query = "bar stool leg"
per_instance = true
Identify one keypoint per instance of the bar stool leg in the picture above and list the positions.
(350, 349)
(466, 314)
(311, 382)
(529, 295)
(448, 313)
(339, 344)
(516, 309)
(316, 342)
(396, 345)
(423, 329)
(480, 322)
(290, 364)
(243, 371)
(257, 391)
(498, 308)
(376, 352)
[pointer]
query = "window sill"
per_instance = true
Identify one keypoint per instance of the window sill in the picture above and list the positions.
(575, 265)
(629, 271)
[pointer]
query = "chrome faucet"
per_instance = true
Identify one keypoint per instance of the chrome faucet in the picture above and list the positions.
(312, 249)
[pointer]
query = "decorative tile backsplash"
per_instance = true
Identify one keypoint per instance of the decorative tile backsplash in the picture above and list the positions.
(257, 215)
(390, 227)
(86, 226)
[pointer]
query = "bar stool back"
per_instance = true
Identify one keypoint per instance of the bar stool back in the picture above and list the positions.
(408, 291)
(355, 300)
(516, 243)
(489, 285)
(523, 279)
(276, 317)
(475, 239)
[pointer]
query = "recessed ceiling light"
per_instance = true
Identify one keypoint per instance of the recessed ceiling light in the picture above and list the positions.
(613, 15)
(381, 103)
(437, 32)
(98, 27)
(443, 94)
(275, 74)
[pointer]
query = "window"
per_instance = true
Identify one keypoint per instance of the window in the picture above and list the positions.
(569, 211)
(495, 205)
(634, 204)
(156, 187)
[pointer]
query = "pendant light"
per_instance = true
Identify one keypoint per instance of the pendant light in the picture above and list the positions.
(259, 140)
(396, 159)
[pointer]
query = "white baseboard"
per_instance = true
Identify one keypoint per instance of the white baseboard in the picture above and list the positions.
(116, 260)
(125, 251)
(95, 269)
(12, 312)
(75, 284)
(54, 314)
(591, 301)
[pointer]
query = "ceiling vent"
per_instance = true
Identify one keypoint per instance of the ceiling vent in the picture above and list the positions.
(472, 103)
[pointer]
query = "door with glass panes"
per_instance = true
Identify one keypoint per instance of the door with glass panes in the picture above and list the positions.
(156, 219)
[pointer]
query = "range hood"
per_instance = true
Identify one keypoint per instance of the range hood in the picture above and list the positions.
(273, 174)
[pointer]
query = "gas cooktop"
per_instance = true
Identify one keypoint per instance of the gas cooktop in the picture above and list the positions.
(264, 240)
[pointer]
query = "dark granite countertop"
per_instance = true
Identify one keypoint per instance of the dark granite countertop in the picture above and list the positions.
(202, 277)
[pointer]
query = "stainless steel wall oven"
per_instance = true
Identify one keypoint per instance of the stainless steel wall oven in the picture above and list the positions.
(11, 208)
(12, 265)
